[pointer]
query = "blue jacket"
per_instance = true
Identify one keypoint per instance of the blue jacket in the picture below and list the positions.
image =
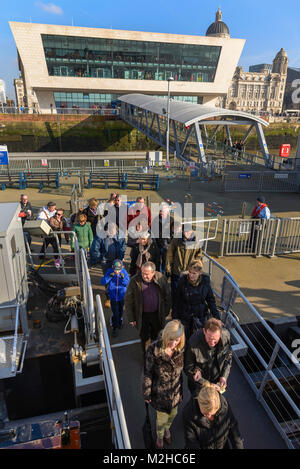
(117, 285)
(107, 249)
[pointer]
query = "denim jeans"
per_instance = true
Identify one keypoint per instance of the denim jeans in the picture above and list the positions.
(117, 308)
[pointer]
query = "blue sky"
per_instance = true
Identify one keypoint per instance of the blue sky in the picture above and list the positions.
(266, 25)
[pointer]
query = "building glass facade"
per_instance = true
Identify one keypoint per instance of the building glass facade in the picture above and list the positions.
(82, 100)
(127, 59)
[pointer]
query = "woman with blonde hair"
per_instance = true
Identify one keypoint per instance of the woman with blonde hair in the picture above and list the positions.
(209, 422)
(162, 383)
(91, 212)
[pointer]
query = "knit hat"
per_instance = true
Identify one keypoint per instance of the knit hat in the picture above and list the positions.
(261, 199)
(117, 264)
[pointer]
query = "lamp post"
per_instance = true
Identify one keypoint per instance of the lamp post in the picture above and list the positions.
(168, 119)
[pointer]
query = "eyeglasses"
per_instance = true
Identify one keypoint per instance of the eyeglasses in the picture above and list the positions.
(60, 214)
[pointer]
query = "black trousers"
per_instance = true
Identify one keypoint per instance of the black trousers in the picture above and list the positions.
(53, 243)
(150, 327)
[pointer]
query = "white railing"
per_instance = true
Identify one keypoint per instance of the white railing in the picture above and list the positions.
(120, 432)
(244, 237)
(271, 369)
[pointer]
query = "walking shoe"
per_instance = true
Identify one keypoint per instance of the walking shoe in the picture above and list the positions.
(57, 264)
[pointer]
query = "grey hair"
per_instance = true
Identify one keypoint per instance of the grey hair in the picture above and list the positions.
(150, 265)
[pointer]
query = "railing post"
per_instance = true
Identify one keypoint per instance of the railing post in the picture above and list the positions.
(278, 223)
(260, 237)
(223, 238)
(270, 366)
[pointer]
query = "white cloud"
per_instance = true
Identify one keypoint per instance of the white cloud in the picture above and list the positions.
(50, 8)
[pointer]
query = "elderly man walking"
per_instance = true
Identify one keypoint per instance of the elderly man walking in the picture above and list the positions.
(148, 302)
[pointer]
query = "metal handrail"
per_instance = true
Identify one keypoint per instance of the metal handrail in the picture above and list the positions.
(14, 356)
(267, 366)
(114, 397)
(88, 299)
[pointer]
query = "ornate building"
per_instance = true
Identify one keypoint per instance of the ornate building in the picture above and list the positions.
(19, 90)
(258, 92)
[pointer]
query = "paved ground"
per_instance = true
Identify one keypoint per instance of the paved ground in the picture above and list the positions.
(272, 285)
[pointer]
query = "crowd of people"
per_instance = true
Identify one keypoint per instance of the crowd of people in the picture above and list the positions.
(168, 298)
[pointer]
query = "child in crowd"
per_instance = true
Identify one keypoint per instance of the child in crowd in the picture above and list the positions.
(116, 279)
(83, 232)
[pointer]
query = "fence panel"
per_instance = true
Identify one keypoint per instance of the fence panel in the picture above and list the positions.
(289, 236)
(260, 237)
(238, 181)
(257, 181)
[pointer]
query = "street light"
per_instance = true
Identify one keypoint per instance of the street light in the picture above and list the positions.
(168, 118)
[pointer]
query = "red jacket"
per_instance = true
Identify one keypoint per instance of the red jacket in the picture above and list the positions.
(133, 213)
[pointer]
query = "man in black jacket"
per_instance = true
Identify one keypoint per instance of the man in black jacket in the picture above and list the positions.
(25, 214)
(208, 357)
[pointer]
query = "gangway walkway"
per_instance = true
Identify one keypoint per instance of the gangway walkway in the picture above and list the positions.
(151, 115)
(255, 425)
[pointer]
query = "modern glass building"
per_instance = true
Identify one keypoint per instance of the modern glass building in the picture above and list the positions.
(67, 66)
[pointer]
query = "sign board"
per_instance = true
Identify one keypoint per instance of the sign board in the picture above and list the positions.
(285, 150)
(281, 176)
(44, 163)
(245, 176)
(192, 165)
(106, 163)
(3, 155)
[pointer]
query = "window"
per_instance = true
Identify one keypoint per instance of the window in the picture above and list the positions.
(126, 59)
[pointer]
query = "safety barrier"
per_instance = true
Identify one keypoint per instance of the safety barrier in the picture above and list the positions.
(242, 237)
(258, 181)
(11, 178)
(119, 427)
(65, 274)
(268, 364)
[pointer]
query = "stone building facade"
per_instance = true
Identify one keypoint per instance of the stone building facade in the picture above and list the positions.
(19, 91)
(258, 92)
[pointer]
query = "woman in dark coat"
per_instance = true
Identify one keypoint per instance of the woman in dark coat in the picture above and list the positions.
(91, 211)
(194, 299)
(209, 422)
(162, 384)
(143, 251)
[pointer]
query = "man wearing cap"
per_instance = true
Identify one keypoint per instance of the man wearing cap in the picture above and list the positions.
(261, 211)
(116, 279)
(147, 302)
(47, 212)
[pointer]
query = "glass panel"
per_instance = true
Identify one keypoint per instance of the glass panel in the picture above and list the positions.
(125, 59)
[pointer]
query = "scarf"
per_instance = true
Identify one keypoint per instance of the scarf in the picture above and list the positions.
(143, 251)
(93, 210)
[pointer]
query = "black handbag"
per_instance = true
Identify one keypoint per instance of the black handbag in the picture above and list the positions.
(147, 431)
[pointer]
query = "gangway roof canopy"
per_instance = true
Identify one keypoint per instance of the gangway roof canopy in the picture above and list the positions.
(142, 111)
(185, 112)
